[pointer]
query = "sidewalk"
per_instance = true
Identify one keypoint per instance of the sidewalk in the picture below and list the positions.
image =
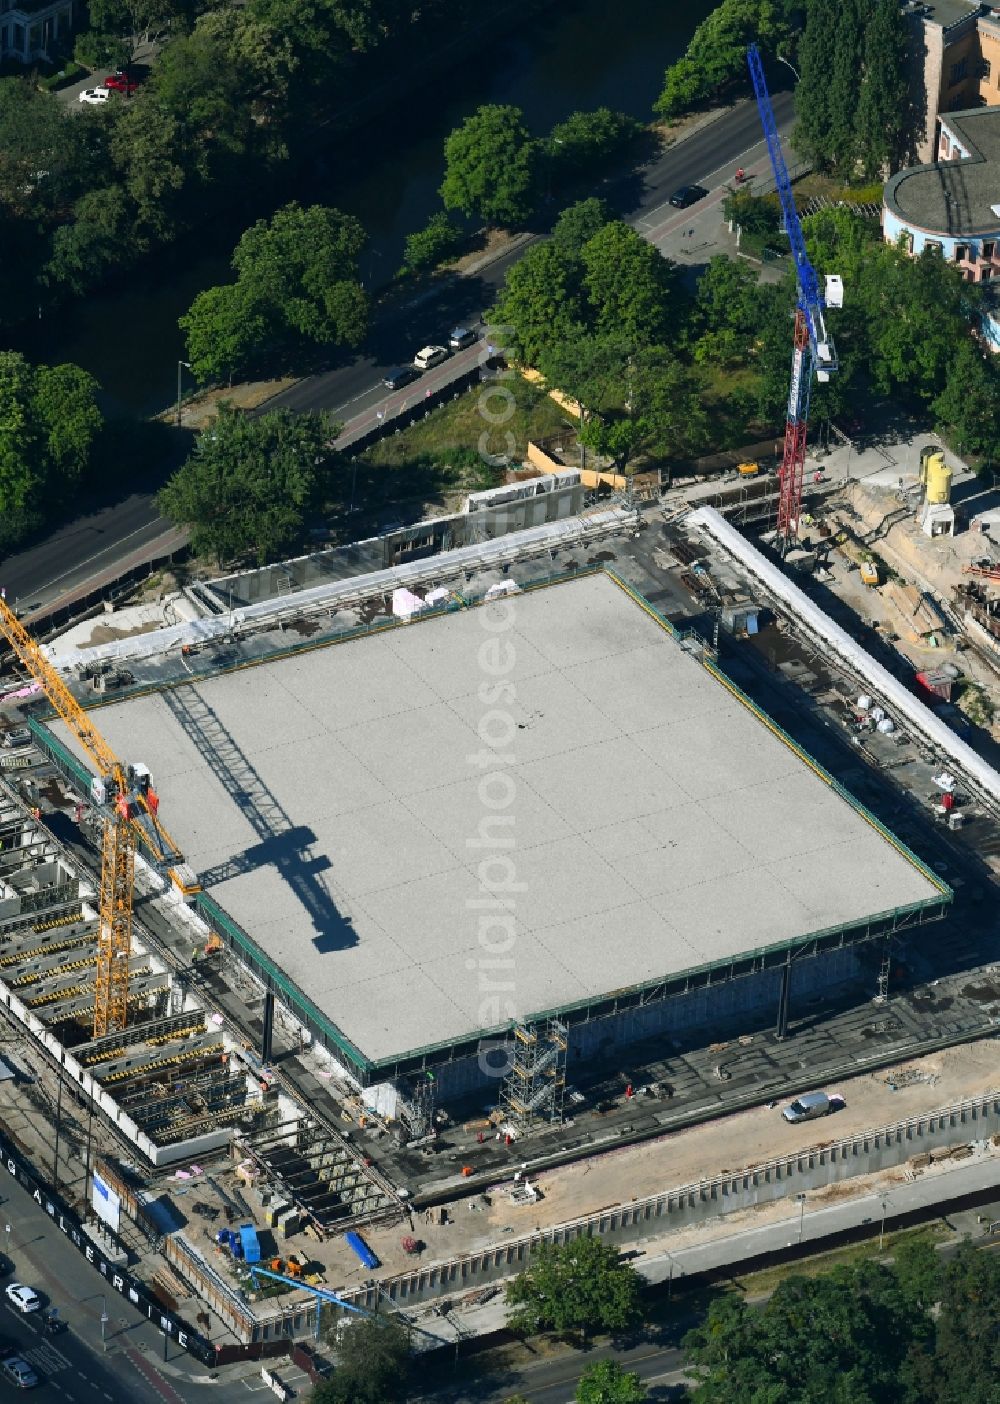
(719, 1243)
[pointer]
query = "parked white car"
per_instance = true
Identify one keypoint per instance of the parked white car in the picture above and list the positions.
(25, 1299)
(95, 95)
(430, 356)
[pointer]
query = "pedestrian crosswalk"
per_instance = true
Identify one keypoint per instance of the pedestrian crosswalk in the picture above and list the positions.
(45, 1358)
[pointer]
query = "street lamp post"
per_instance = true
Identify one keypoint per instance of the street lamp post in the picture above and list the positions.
(802, 1213)
(881, 1227)
(788, 65)
(104, 1322)
(181, 365)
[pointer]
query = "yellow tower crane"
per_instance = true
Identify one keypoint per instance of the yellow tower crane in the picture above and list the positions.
(128, 805)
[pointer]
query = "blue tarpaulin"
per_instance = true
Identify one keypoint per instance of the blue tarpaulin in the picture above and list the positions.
(249, 1243)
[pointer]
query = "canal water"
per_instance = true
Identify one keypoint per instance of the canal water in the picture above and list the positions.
(572, 57)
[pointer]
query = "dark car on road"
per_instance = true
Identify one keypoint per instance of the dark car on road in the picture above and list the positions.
(460, 337)
(400, 376)
(687, 195)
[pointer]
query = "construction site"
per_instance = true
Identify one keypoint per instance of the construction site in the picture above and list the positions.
(506, 850)
(350, 997)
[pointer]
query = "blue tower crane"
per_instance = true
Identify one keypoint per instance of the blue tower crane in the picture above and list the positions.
(813, 351)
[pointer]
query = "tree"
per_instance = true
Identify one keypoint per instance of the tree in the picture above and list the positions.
(301, 265)
(49, 420)
(38, 145)
(69, 421)
(491, 166)
(577, 224)
(966, 1358)
(607, 1383)
(916, 312)
(882, 117)
(439, 239)
(661, 412)
(147, 148)
(226, 331)
(632, 289)
(968, 408)
(540, 305)
(716, 57)
(99, 237)
(812, 94)
(373, 1364)
(249, 485)
(725, 311)
(841, 1338)
(120, 24)
(587, 139)
(852, 99)
(844, 82)
(576, 1286)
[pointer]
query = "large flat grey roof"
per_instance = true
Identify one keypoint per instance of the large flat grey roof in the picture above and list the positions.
(657, 824)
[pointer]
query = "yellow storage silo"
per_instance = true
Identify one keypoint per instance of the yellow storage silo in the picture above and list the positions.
(935, 476)
(938, 479)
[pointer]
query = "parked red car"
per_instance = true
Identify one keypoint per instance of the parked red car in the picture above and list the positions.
(121, 83)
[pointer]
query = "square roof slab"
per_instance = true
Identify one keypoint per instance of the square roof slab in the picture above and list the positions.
(499, 812)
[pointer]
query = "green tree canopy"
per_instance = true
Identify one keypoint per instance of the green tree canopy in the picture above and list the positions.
(577, 1286)
(852, 100)
(373, 1364)
(725, 311)
(226, 330)
(968, 408)
(659, 413)
(440, 238)
(587, 139)
(302, 264)
(97, 239)
(841, 1338)
(540, 305)
(632, 289)
(607, 1383)
(491, 166)
(248, 487)
(49, 421)
(39, 145)
(577, 224)
(716, 57)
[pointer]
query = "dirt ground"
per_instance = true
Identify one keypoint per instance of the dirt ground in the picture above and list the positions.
(685, 1157)
(936, 566)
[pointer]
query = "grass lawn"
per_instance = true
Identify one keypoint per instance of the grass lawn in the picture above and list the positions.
(814, 184)
(446, 455)
(761, 1284)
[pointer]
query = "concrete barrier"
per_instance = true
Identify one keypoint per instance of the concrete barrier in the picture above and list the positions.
(860, 1154)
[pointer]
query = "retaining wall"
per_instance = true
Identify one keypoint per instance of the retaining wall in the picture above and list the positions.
(656, 1215)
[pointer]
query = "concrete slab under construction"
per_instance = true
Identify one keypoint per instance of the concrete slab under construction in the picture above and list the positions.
(504, 812)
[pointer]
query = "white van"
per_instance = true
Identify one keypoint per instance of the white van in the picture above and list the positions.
(808, 1107)
(430, 356)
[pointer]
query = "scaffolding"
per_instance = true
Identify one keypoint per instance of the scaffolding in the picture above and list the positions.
(536, 1084)
(417, 1104)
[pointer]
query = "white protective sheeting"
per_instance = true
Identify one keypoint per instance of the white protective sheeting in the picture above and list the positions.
(881, 681)
(340, 593)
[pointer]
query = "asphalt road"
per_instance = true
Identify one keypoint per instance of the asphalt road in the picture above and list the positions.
(92, 542)
(80, 550)
(72, 1366)
(554, 1381)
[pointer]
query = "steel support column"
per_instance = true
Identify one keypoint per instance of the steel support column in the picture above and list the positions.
(781, 1029)
(267, 1034)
